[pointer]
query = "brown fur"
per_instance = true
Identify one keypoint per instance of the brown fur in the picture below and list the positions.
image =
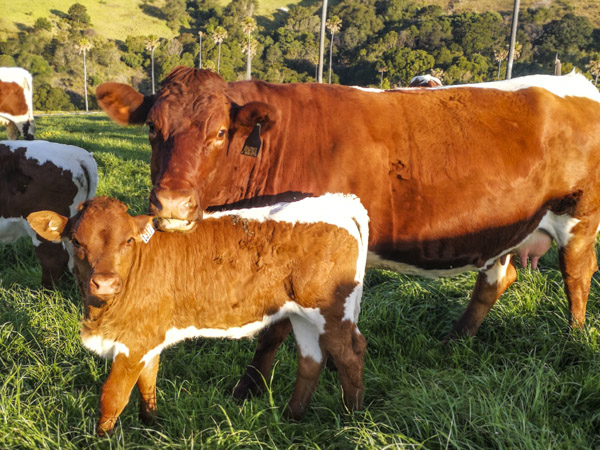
(225, 274)
(12, 99)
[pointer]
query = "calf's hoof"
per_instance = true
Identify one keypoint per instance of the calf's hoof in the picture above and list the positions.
(106, 428)
(148, 416)
(294, 412)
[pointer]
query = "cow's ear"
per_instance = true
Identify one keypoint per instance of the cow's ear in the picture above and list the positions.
(247, 116)
(48, 224)
(144, 228)
(123, 104)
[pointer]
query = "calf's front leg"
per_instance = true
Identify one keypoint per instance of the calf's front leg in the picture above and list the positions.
(116, 391)
(147, 386)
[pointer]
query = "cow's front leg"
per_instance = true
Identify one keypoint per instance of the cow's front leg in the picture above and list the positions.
(257, 371)
(489, 287)
(147, 386)
(578, 263)
(116, 391)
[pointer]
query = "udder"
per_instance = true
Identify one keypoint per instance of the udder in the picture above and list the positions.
(533, 248)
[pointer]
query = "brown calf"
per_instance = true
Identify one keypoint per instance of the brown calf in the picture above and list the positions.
(234, 274)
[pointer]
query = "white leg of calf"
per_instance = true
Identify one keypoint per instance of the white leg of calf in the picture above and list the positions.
(307, 337)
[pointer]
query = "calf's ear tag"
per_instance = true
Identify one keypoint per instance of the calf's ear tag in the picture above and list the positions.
(147, 233)
(253, 143)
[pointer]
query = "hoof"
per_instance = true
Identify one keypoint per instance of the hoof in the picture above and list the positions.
(247, 387)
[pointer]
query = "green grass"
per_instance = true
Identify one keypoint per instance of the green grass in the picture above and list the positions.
(526, 381)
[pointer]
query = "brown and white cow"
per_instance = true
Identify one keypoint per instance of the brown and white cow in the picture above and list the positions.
(40, 175)
(237, 272)
(424, 81)
(454, 178)
(16, 102)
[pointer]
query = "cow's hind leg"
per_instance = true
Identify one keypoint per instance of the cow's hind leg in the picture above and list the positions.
(347, 347)
(54, 260)
(311, 358)
(147, 387)
(257, 372)
(489, 287)
(577, 259)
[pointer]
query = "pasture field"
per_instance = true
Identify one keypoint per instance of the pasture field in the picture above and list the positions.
(526, 381)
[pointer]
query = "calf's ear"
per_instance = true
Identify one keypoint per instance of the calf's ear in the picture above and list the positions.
(48, 224)
(144, 228)
(123, 104)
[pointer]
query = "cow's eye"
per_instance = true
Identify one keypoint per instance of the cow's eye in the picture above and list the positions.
(75, 243)
(150, 127)
(221, 133)
(130, 241)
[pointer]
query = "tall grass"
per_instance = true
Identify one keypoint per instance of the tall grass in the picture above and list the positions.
(526, 381)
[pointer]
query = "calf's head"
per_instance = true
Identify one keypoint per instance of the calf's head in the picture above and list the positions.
(197, 133)
(104, 239)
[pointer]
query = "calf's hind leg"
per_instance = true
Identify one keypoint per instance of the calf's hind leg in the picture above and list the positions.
(489, 287)
(257, 371)
(347, 347)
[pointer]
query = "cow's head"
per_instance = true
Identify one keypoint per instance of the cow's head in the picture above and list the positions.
(193, 126)
(104, 239)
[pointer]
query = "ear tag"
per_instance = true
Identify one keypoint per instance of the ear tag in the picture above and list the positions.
(148, 233)
(253, 143)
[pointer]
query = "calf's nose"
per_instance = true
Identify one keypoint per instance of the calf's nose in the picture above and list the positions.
(105, 284)
(174, 204)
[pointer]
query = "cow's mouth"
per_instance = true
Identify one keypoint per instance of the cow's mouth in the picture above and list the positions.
(174, 225)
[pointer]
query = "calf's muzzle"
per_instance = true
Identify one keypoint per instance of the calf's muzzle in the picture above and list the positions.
(105, 284)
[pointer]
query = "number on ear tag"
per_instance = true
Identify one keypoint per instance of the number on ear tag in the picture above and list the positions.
(253, 143)
(148, 233)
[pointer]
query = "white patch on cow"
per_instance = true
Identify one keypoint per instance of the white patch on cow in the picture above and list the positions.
(571, 85)
(497, 272)
(352, 304)
(106, 348)
(364, 89)
(13, 228)
(559, 227)
(289, 309)
(307, 338)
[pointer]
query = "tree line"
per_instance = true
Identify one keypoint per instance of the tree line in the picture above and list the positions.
(376, 43)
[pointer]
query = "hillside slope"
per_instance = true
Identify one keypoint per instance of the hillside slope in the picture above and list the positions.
(114, 19)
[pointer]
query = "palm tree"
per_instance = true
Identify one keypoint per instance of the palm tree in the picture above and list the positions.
(322, 41)
(200, 36)
(83, 46)
(594, 67)
(333, 25)
(248, 26)
(381, 69)
(499, 56)
(152, 43)
(219, 35)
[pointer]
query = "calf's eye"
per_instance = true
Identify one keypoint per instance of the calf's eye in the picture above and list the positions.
(150, 127)
(221, 134)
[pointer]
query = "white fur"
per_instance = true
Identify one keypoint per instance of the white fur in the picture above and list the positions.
(365, 89)
(571, 85)
(289, 310)
(106, 348)
(426, 79)
(498, 271)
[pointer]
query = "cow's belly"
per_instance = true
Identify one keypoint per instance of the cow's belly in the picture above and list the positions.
(557, 227)
(13, 228)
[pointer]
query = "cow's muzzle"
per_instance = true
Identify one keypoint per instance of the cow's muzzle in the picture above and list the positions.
(175, 210)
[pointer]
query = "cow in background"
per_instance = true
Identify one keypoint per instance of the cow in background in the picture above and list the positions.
(424, 81)
(235, 273)
(16, 102)
(40, 175)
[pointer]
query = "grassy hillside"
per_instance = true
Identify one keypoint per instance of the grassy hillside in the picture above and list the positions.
(113, 18)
